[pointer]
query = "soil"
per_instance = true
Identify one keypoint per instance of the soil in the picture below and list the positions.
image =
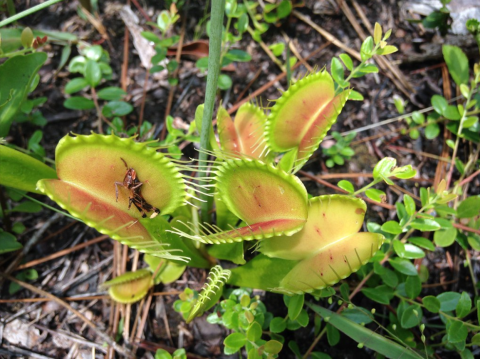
(46, 329)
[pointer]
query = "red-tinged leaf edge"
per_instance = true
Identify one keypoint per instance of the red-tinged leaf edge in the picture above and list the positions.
(303, 114)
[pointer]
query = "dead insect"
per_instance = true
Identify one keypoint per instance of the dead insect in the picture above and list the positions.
(133, 184)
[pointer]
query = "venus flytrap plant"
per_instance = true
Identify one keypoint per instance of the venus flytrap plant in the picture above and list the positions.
(89, 166)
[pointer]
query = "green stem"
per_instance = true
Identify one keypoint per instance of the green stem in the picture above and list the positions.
(215, 47)
(363, 189)
(287, 65)
(28, 12)
(16, 53)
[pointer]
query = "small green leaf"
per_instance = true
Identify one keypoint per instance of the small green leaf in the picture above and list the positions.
(273, 347)
(346, 185)
(162, 354)
(375, 194)
(381, 294)
(422, 242)
(413, 286)
(111, 93)
(150, 36)
(337, 70)
(377, 33)
(93, 52)
(384, 167)
(355, 96)
(411, 317)
(426, 225)
(469, 207)
(238, 55)
(464, 305)
(8, 242)
(457, 332)
(403, 266)
(476, 339)
(457, 63)
(451, 112)
(79, 103)
(445, 237)
(448, 301)
(224, 82)
(366, 49)
(409, 204)
(254, 332)
(347, 61)
(392, 227)
(295, 305)
(117, 108)
(439, 104)
(470, 121)
(278, 325)
(75, 85)
(333, 335)
(93, 73)
(387, 50)
(235, 341)
(418, 118)
(432, 303)
(432, 131)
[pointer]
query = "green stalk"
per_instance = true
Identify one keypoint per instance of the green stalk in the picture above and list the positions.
(214, 53)
(28, 12)
(11, 8)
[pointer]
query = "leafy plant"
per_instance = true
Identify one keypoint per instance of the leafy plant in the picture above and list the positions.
(165, 21)
(306, 244)
(340, 151)
(439, 19)
(93, 65)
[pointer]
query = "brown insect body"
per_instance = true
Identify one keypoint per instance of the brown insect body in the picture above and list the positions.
(133, 184)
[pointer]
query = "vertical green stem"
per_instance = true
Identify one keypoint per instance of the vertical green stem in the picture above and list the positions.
(287, 65)
(11, 8)
(215, 46)
(28, 12)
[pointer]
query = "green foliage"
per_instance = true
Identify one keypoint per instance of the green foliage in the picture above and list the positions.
(18, 79)
(93, 66)
(177, 354)
(26, 275)
(439, 19)
(8, 242)
(340, 151)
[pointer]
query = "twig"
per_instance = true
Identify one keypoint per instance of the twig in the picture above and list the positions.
(62, 252)
(327, 35)
(268, 51)
(295, 51)
(32, 241)
(469, 178)
(144, 14)
(67, 306)
(78, 299)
